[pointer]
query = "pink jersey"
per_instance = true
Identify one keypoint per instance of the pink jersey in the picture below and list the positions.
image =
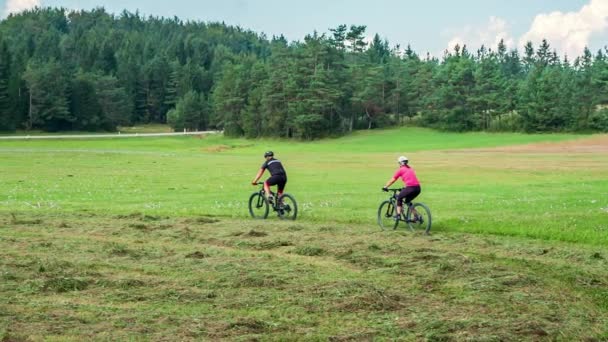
(407, 175)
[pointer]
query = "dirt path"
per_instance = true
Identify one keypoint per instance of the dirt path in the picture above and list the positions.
(593, 144)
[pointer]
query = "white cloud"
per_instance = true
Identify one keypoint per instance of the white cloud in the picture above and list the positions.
(15, 6)
(488, 35)
(569, 33)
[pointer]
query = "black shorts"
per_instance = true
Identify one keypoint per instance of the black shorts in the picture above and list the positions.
(408, 194)
(278, 180)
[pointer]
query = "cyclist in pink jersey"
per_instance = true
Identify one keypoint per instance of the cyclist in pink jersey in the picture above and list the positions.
(412, 185)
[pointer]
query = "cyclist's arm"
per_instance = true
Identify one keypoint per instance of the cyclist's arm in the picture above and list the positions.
(257, 177)
(395, 177)
(390, 182)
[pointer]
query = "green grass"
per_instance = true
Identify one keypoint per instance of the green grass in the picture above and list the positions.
(149, 238)
(148, 128)
(543, 195)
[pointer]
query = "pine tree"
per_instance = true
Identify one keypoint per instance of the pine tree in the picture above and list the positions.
(48, 90)
(583, 90)
(229, 100)
(156, 77)
(408, 92)
(425, 90)
(512, 74)
(141, 114)
(189, 113)
(537, 103)
(275, 103)
(113, 100)
(528, 59)
(368, 95)
(600, 77)
(454, 87)
(7, 118)
(252, 117)
(487, 91)
(379, 50)
(339, 37)
(355, 37)
(84, 105)
(171, 91)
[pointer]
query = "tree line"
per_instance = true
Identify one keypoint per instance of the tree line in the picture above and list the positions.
(90, 70)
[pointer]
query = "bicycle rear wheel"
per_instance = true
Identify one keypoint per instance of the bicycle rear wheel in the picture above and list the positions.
(420, 220)
(386, 213)
(258, 207)
(287, 208)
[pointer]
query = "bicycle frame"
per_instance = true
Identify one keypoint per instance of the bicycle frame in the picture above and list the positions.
(284, 205)
(416, 216)
(393, 200)
(262, 197)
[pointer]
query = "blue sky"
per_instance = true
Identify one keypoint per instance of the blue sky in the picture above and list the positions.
(429, 26)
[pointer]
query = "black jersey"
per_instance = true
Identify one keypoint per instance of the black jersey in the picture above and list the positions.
(275, 167)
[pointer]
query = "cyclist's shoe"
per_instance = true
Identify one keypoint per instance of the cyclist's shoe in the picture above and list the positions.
(416, 218)
(396, 217)
(270, 199)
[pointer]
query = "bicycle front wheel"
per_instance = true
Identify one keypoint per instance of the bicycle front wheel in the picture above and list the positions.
(419, 218)
(386, 213)
(287, 208)
(258, 207)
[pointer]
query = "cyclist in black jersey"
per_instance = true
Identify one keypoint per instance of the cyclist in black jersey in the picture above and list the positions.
(278, 176)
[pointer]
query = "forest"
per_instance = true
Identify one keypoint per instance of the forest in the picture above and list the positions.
(65, 70)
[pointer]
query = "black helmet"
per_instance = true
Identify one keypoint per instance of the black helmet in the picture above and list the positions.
(268, 154)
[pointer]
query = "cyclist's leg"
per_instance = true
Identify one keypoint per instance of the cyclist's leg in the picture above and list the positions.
(281, 186)
(272, 180)
(400, 198)
(411, 193)
(282, 181)
(267, 188)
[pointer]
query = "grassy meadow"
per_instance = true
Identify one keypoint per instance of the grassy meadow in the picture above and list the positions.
(559, 196)
(150, 238)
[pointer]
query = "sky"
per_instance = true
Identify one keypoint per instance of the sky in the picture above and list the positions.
(428, 26)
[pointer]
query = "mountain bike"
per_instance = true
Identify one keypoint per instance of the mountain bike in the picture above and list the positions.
(417, 216)
(285, 205)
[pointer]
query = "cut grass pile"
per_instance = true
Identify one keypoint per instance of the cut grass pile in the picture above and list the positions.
(178, 278)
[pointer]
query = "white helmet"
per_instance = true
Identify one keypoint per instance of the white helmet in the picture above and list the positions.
(402, 160)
